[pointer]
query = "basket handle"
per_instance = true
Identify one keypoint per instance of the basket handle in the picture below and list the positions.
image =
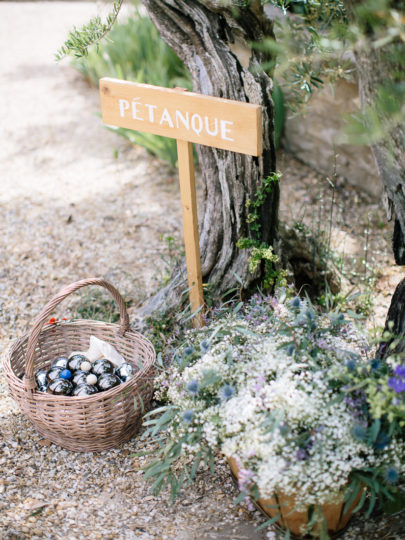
(43, 317)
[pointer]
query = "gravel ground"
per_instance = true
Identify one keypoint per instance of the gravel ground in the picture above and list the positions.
(77, 201)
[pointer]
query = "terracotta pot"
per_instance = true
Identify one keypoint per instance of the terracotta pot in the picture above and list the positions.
(296, 521)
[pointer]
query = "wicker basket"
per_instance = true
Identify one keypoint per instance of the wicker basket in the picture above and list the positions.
(84, 424)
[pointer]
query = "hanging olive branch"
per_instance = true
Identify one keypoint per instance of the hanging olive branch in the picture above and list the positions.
(80, 39)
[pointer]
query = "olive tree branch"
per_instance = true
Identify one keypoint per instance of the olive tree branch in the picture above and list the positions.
(80, 39)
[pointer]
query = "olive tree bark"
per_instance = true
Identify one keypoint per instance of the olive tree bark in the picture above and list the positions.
(376, 69)
(213, 39)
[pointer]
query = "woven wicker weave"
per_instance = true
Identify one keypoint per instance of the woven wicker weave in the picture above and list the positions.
(84, 424)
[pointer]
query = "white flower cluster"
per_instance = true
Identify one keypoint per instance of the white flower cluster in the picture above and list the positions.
(263, 393)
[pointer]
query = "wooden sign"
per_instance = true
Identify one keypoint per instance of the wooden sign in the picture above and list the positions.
(189, 118)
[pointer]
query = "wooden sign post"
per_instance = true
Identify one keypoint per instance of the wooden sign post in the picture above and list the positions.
(188, 118)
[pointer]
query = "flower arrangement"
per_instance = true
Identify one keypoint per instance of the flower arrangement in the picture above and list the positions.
(293, 398)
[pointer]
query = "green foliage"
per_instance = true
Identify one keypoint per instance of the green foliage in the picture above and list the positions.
(161, 147)
(258, 254)
(260, 251)
(315, 44)
(174, 254)
(302, 64)
(396, 505)
(80, 39)
(135, 52)
(159, 329)
(375, 120)
(255, 204)
(263, 253)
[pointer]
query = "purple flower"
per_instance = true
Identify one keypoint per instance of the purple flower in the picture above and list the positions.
(400, 371)
(275, 305)
(244, 479)
(259, 383)
(302, 454)
(396, 384)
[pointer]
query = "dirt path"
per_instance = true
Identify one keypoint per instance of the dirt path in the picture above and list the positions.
(71, 209)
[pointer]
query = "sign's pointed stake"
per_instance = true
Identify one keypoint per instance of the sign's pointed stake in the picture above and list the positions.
(190, 227)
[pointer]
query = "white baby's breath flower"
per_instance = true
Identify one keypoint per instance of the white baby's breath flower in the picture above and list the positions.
(283, 419)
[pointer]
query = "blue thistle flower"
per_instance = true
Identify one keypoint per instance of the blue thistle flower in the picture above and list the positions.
(187, 416)
(192, 388)
(351, 364)
(188, 351)
(310, 316)
(296, 302)
(290, 349)
(204, 346)
(227, 391)
(359, 432)
(391, 475)
(375, 364)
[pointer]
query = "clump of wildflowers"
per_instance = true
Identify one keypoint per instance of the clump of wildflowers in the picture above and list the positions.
(289, 394)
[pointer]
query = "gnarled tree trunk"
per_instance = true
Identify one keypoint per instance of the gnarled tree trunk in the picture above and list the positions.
(214, 43)
(389, 153)
(376, 69)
